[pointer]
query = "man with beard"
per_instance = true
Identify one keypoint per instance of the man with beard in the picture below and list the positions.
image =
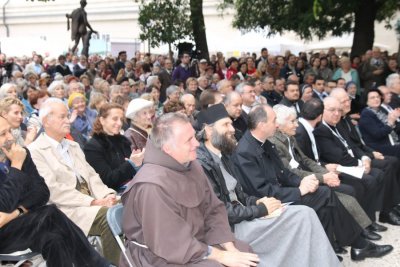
(172, 216)
(271, 239)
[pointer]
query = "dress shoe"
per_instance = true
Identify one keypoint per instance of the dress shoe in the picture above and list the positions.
(396, 209)
(376, 227)
(339, 250)
(389, 217)
(370, 251)
(370, 235)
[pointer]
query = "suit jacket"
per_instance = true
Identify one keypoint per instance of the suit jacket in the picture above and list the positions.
(62, 182)
(289, 104)
(307, 166)
(331, 148)
(347, 129)
(304, 141)
(395, 101)
(165, 80)
(262, 173)
(240, 125)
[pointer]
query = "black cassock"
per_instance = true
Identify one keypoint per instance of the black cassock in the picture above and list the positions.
(262, 173)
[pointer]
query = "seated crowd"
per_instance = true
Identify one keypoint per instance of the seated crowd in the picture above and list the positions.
(269, 161)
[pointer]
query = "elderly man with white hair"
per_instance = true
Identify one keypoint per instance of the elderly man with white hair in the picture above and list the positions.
(293, 158)
(75, 188)
(263, 173)
(189, 102)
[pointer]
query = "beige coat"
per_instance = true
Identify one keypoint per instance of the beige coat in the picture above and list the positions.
(61, 180)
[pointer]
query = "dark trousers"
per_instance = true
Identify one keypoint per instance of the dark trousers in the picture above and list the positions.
(48, 231)
(338, 224)
(391, 175)
(369, 190)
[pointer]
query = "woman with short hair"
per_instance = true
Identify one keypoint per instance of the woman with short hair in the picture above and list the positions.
(140, 112)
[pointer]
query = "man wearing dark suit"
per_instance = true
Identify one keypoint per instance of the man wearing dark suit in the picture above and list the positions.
(25, 219)
(262, 174)
(335, 148)
(319, 88)
(165, 78)
(311, 116)
(233, 105)
(389, 165)
(292, 96)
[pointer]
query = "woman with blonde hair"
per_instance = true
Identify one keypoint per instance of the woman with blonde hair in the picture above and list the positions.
(12, 110)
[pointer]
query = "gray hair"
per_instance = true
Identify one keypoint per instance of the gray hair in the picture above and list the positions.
(171, 89)
(162, 131)
(228, 98)
(283, 113)
(221, 83)
(151, 80)
(240, 87)
(54, 85)
(115, 88)
(185, 96)
(391, 78)
(47, 106)
(81, 86)
(256, 115)
(5, 87)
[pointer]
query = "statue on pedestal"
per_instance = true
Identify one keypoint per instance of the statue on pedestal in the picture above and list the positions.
(79, 30)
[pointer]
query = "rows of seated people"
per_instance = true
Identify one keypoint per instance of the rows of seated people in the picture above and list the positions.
(276, 160)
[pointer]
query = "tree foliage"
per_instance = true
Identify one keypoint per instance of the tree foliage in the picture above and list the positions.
(164, 21)
(310, 18)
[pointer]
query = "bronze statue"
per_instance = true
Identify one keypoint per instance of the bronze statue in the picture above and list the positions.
(78, 29)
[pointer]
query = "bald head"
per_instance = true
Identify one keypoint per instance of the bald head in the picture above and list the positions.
(341, 95)
(332, 111)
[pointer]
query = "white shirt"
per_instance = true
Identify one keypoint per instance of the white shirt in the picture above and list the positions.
(310, 130)
(62, 150)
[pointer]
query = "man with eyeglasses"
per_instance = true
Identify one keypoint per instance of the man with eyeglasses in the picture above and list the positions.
(389, 165)
(335, 148)
(183, 71)
(74, 186)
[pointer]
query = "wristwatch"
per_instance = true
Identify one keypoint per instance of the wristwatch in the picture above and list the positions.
(21, 211)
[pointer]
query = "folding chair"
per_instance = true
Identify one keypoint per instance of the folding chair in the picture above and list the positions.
(19, 257)
(114, 219)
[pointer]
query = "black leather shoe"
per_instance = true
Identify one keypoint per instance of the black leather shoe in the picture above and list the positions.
(376, 227)
(396, 209)
(339, 258)
(390, 217)
(339, 250)
(370, 235)
(370, 251)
